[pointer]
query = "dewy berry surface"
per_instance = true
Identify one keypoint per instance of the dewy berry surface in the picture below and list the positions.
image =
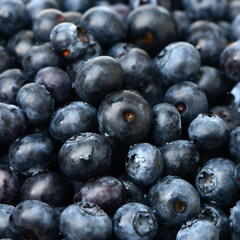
(119, 119)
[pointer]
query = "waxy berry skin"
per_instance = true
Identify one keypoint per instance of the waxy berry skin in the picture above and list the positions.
(125, 116)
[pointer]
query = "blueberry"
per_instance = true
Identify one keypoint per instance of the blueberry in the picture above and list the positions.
(69, 40)
(215, 182)
(125, 116)
(19, 43)
(233, 9)
(216, 215)
(107, 192)
(144, 164)
(13, 17)
(181, 158)
(198, 229)
(36, 102)
(229, 61)
(98, 77)
(35, 6)
(85, 221)
(188, 98)
(72, 119)
(85, 156)
(32, 219)
(137, 67)
(209, 40)
(94, 21)
(174, 200)
(212, 82)
(57, 82)
(5, 212)
(120, 49)
(10, 82)
(237, 175)
(177, 62)
(166, 124)
(31, 154)
(38, 57)
(73, 17)
(208, 132)
(44, 22)
(48, 187)
(9, 185)
(12, 122)
(135, 221)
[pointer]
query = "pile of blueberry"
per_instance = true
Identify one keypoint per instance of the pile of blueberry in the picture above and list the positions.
(119, 119)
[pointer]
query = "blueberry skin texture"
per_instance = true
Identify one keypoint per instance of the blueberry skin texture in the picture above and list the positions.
(144, 164)
(229, 115)
(9, 185)
(31, 154)
(85, 221)
(19, 43)
(106, 192)
(234, 144)
(217, 216)
(49, 187)
(13, 17)
(229, 60)
(69, 40)
(135, 221)
(97, 78)
(10, 82)
(137, 67)
(212, 82)
(198, 229)
(35, 6)
(210, 10)
(188, 98)
(44, 22)
(33, 219)
(85, 156)
(209, 40)
(120, 49)
(125, 116)
(215, 182)
(72, 119)
(166, 124)
(36, 102)
(234, 221)
(57, 82)
(208, 132)
(174, 200)
(95, 20)
(177, 62)
(5, 212)
(76, 5)
(151, 28)
(12, 122)
(38, 57)
(181, 158)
